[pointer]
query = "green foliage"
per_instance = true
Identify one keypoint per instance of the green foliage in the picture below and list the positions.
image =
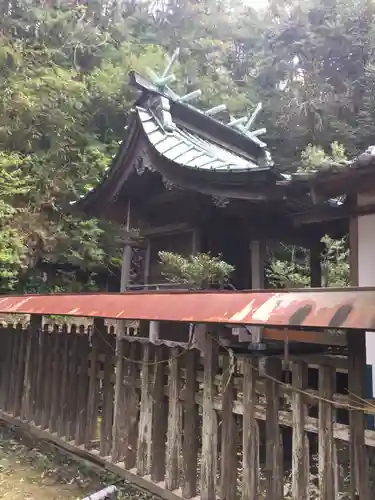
(201, 270)
(314, 157)
(64, 101)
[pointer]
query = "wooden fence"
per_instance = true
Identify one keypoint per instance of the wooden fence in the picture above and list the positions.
(185, 424)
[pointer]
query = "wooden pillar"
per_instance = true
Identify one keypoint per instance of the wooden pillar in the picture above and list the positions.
(119, 373)
(257, 249)
(315, 266)
(359, 467)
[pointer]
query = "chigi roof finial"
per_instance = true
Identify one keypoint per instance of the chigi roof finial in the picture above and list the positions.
(242, 124)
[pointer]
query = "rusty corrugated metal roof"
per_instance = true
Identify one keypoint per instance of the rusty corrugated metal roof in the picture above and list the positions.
(325, 308)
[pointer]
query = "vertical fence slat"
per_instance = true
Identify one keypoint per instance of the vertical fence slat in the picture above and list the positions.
(326, 441)
(160, 417)
(250, 443)
(18, 371)
(274, 453)
(72, 384)
(83, 367)
(209, 423)
(47, 378)
(172, 478)
(6, 367)
(131, 404)
(300, 460)
(228, 433)
(145, 418)
(191, 426)
(39, 378)
(359, 466)
(63, 405)
(38, 320)
(55, 376)
(30, 368)
(119, 429)
(12, 364)
(94, 385)
(108, 397)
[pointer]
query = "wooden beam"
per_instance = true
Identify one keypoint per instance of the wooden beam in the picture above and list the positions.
(315, 266)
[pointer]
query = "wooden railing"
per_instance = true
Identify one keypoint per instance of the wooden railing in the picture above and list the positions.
(181, 422)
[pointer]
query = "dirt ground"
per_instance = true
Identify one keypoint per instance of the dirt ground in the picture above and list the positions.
(35, 470)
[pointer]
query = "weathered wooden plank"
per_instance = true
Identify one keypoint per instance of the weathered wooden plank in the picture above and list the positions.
(63, 402)
(145, 418)
(229, 440)
(359, 465)
(72, 390)
(46, 382)
(39, 390)
(209, 420)
(250, 442)
(119, 427)
(7, 345)
(18, 371)
(191, 426)
(172, 477)
(160, 417)
(30, 367)
(94, 384)
(325, 436)
(83, 382)
(35, 366)
(300, 459)
(274, 453)
(108, 396)
(131, 404)
(55, 378)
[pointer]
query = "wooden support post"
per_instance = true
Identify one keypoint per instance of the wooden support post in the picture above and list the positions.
(72, 384)
(191, 426)
(145, 417)
(229, 439)
(250, 442)
(108, 397)
(47, 379)
(160, 417)
(209, 423)
(83, 382)
(19, 371)
(274, 449)
(359, 467)
(63, 408)
(93, 391)
(300, 458)
(117, 429)
(325, 437)
(172, 478)
(12, 364)
(131, 373)
(146, 275)
(257, 251)
(30, 367)
(6, 347)
(39, 378)
(315, 266)
(56, 382)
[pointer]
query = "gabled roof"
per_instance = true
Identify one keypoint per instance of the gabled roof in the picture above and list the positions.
(189, 149)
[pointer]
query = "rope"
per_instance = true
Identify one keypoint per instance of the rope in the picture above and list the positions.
(231, 369)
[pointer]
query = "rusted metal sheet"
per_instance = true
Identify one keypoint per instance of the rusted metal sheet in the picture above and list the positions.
(325, 308)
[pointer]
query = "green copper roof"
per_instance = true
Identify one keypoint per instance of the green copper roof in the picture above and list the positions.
(189, 149)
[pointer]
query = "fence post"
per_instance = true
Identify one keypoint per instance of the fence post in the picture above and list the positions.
(359, 467)
(30, 367)
(209, 422)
